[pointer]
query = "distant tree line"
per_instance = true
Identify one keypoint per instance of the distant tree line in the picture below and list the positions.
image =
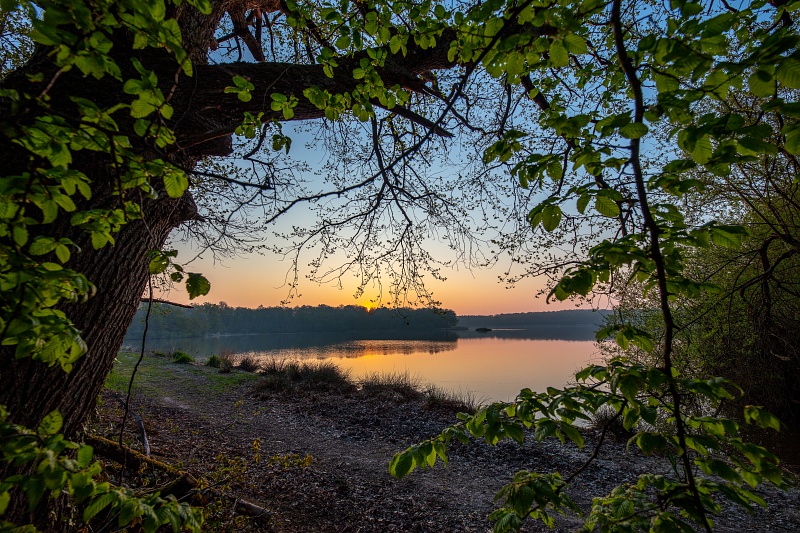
(213, 319)
(581, 318)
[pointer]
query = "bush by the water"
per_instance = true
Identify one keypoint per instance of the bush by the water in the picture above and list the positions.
(182, 358)
(248, 363)
(214, 361)
(285, 375)
(400, 384)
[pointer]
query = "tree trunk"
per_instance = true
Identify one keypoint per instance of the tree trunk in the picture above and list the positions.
(30, 389)
(205, 117)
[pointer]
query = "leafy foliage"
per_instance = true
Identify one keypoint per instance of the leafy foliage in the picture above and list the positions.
(601, 85)
(49, 193)
(61, 466)
(644, 85)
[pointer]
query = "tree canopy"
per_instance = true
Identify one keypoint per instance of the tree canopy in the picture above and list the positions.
(586, 132)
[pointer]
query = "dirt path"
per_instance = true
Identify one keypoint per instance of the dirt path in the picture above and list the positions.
(351, 438)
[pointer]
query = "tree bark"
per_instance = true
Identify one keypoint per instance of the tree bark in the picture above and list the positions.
(31, 389)
(204, 120)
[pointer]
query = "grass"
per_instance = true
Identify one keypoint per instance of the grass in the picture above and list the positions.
(225, 361)
(248, 363)
(182, 358)
(439, 398)
(287, 375)
(607, 416)
(403, 386)
(400, 384)
(156, 376)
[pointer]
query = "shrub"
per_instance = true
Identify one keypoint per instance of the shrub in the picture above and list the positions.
(439, 398)
(214, 361)
(606, 416)
(182, 358)
(225, 360)
(274, 365)
(400, 385)
(225, 363)
(248, 363)
(287, 375)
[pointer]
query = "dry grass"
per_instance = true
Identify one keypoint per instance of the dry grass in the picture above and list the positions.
(287, 375)
(248, 363)
(607, 416)
(226, 360)
(439, 398)
(400, 384)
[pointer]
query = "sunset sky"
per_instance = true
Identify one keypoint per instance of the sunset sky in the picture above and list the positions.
(255, 280)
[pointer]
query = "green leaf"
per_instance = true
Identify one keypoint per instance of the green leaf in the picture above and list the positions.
(514, 432)
(702, 150)
(175, 183)
(572, 433)
(42, 245)
(5, 498)
(551, 217)
(197, 285)
(203, 6)
(788, 73)
(158, 263)
(764, 419)
(396, 44)
(633, 130)
(20, 235)
(140, 108)
(84, 455)
(130, 510)
(62, 252)
(651, 442)
(559, 57)
(606, 206)
(762, 83)
(401, 464)
(583, 201)
(792, 134)
(575, 44)
(727, 236)
(343, 41)
(50, 424)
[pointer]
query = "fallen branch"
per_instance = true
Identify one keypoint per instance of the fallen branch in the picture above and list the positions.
(184, 487)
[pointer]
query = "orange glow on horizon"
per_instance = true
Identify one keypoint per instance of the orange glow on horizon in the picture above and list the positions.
(254, 281)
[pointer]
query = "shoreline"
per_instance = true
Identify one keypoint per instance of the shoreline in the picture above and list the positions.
(204, 421)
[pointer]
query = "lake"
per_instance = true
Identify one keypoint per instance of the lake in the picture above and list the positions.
(490, 366)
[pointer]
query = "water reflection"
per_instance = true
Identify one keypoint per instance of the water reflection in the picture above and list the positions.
(492, 365)
(433, 341)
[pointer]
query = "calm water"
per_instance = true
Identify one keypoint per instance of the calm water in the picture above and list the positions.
(490, 366)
